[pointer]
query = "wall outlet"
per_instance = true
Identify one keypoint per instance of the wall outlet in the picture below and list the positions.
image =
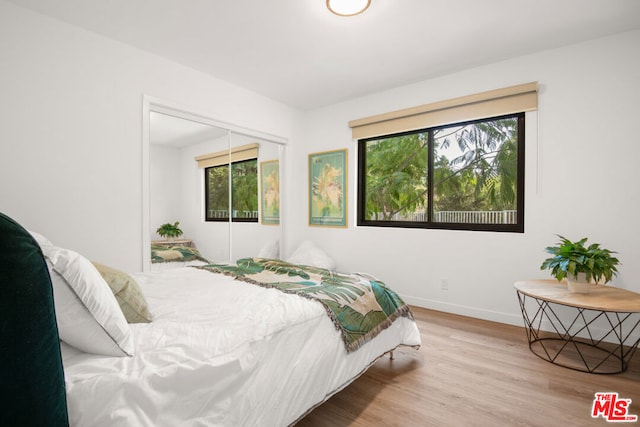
(444, 284)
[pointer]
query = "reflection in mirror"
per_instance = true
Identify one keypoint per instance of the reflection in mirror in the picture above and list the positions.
(225, 212)
(255, 201)
(176, 183)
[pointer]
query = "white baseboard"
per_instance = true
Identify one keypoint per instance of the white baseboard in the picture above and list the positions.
(463, 310)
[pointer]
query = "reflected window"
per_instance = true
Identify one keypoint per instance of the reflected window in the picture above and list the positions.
(244, 192)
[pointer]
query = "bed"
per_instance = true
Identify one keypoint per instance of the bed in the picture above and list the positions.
(253, 343)
(167, 256)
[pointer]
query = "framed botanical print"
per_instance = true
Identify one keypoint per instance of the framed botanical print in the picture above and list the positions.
(270, 192)
(328, 188)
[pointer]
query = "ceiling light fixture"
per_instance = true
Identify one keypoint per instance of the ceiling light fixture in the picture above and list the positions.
(348, 7)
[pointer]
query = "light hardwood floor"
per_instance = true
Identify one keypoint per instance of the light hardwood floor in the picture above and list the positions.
(472, 372)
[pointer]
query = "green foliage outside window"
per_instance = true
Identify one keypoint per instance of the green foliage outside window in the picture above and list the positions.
(396, 180)
(244, 202)
(245, 189)
(217, 192)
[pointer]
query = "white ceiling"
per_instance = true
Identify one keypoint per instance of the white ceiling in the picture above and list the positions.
(179, 133)
(297, 52)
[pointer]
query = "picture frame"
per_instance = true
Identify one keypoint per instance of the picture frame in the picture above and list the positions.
(328, 188)
(270, 192)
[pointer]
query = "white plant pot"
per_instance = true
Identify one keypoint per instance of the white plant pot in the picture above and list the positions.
(578, 284)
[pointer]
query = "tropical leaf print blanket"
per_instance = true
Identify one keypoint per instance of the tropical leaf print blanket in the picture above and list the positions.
(174, 253)
(360, 307)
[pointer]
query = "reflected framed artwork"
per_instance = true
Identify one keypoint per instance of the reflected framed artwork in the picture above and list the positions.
(328, 188)
(270, 192)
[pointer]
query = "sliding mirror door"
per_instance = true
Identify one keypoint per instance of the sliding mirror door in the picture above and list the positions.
(177, 185)
(220, 182)
(255, 197)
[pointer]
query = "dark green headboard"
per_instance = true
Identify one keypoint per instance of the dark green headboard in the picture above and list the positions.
(32, 389)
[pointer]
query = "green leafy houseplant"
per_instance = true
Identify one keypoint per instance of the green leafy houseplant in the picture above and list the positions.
(570, 258)
(169, 230)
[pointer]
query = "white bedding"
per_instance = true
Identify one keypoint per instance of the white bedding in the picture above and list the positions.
(220, 353)
(163, 266)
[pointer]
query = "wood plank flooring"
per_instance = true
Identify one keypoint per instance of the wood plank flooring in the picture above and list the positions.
(472, 372)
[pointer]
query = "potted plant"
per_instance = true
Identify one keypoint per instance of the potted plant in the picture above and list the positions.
(580, 264)
(169, 231)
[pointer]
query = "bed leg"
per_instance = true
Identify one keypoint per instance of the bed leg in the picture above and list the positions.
(391, 355)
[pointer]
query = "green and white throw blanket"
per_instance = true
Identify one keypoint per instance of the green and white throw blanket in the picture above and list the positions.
(174, 253)
(359, 306)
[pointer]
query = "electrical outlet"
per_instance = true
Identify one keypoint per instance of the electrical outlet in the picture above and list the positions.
(444, 284)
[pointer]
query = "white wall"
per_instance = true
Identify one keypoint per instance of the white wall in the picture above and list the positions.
(582, 152)
(70, 140)
(165, 180)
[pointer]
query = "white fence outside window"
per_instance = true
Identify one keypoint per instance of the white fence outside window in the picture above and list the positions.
(223, 213)
(459, 217)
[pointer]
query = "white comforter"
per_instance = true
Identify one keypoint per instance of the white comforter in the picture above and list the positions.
(220, 353)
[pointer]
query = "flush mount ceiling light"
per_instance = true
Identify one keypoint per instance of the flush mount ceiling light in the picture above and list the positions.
(348, 7)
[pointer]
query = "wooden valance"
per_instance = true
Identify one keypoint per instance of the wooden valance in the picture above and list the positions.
(499, 102)
(236, 154)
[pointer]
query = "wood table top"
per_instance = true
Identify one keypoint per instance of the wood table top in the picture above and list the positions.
(600, 297)
(172, 242)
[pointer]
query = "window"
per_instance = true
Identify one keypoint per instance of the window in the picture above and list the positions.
(464, 176)
(244, 191)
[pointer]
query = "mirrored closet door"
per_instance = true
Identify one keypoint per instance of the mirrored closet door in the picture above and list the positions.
(222, 186)
(255, 197)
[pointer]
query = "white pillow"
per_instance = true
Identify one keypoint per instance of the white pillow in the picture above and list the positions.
(42, 241)
(309, 254)
(270, 250)
(88, 315)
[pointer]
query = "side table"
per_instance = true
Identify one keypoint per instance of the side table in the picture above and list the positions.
(593, 332)
(175, 242)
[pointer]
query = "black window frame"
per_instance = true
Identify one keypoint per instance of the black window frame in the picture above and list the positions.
(207, 218)
(518, 227)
